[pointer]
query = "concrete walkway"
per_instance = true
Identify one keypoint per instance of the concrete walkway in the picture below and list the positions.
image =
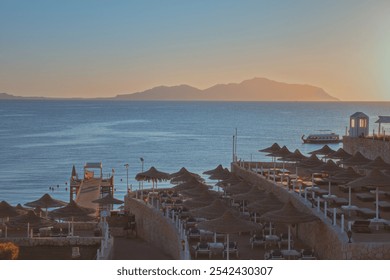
(136, 249)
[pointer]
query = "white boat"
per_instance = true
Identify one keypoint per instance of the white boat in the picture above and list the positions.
(322, 138)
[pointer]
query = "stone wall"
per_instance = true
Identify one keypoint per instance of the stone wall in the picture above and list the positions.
(54, 241)
(368, 147)
(153, 227)
(327, 240)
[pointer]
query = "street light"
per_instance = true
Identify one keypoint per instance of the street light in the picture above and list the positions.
(127, 176)
(142, 182)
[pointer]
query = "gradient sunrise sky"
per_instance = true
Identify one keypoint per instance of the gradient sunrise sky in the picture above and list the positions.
(104, 48)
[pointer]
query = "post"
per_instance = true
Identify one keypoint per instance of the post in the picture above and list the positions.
(334, 216)
(318, 204)
(127, 177)
(325, 208)
(342, 223)
(142, 182)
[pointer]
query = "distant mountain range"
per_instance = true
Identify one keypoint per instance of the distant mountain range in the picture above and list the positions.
(257, 89)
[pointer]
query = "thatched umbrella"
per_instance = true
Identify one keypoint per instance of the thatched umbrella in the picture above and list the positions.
(220, 175)
(325, 151)
(7, 210)
(375, 178)
(46, 201)
(185, 177)
(233, 179)
(329, 168)
(283, 153)
(310, 162)
(238, 188)
(152, 175)
(254, 194)
(377, 163)
(228, 223)
(182, 171)
(356, 160)
(212, 171)
(206, 198)
(271, 149)
(195, 191)
(343, 177)
(30, 221)
(72, 211)
(108, 200)
(268, 202)
(216, 209)
(289, 215)
(296, 157)
(192, 183)
(340, 154)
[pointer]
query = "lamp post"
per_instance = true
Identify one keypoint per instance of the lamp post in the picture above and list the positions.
(127, 177)
(142, 182)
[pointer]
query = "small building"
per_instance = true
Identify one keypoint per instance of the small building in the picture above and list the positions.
(358, 125)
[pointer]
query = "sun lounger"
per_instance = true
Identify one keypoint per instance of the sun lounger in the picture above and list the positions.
(307, 254)
(202, 248)
(276, 255)
(365, 197)
(256, 240)
(194, 233)
(361, 226)
(232, 249)
(383, 205)
(366, 213)
(339, 201)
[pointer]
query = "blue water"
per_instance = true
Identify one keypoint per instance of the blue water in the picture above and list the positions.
(41, 140)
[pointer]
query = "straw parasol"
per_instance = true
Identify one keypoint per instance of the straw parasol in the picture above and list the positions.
(340, 154)
(238, 188)
(212, 211)
(212, 171)
(329, 168)
(282, 154)
(233, 179)
(254, 194)
(325, 151)
(152, 175)
(271, 149)
(46, 201)
(268, 202)
(182, 171)
(185, 177)
(206, 198)
(289, 215)
(220, 175)
(356, 160)
(375, 178)
(31, 220)
(228, 223)
(108, 200)
(310, 162)
(7, 210)
(377, 163)
(192, 183)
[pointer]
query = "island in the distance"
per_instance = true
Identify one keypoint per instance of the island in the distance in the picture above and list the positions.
(256, 89)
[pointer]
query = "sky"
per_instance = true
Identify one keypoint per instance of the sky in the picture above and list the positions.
(103, 48)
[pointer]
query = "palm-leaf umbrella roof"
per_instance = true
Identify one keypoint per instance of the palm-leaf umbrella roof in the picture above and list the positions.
(325, 150)
(108, 200)
(72, 210)
(374, 178)
(329, 168)
(340, 154)
(377, 163)
(311, 162)
(212, 171)
(228, 223)
(46, 201)
(282, 153)
(192, 183)
(182, 171)
(346, 175)
(296, 156)
(254, 194)
(271, 149)
(216, 209)
(238, 188)
(152, 175)
(7, 210)
(220, 175)
(29, 219)
(288, 214)
(356, 160)
(233, 179)
(185, 177)
(195, 191)
(203, 200)
(268, 203)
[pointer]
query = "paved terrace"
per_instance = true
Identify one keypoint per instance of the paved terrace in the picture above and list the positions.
(329, 239)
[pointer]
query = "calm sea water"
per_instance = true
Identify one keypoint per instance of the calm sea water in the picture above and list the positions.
(41, 140)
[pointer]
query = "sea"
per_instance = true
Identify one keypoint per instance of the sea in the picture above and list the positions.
(40, 140)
